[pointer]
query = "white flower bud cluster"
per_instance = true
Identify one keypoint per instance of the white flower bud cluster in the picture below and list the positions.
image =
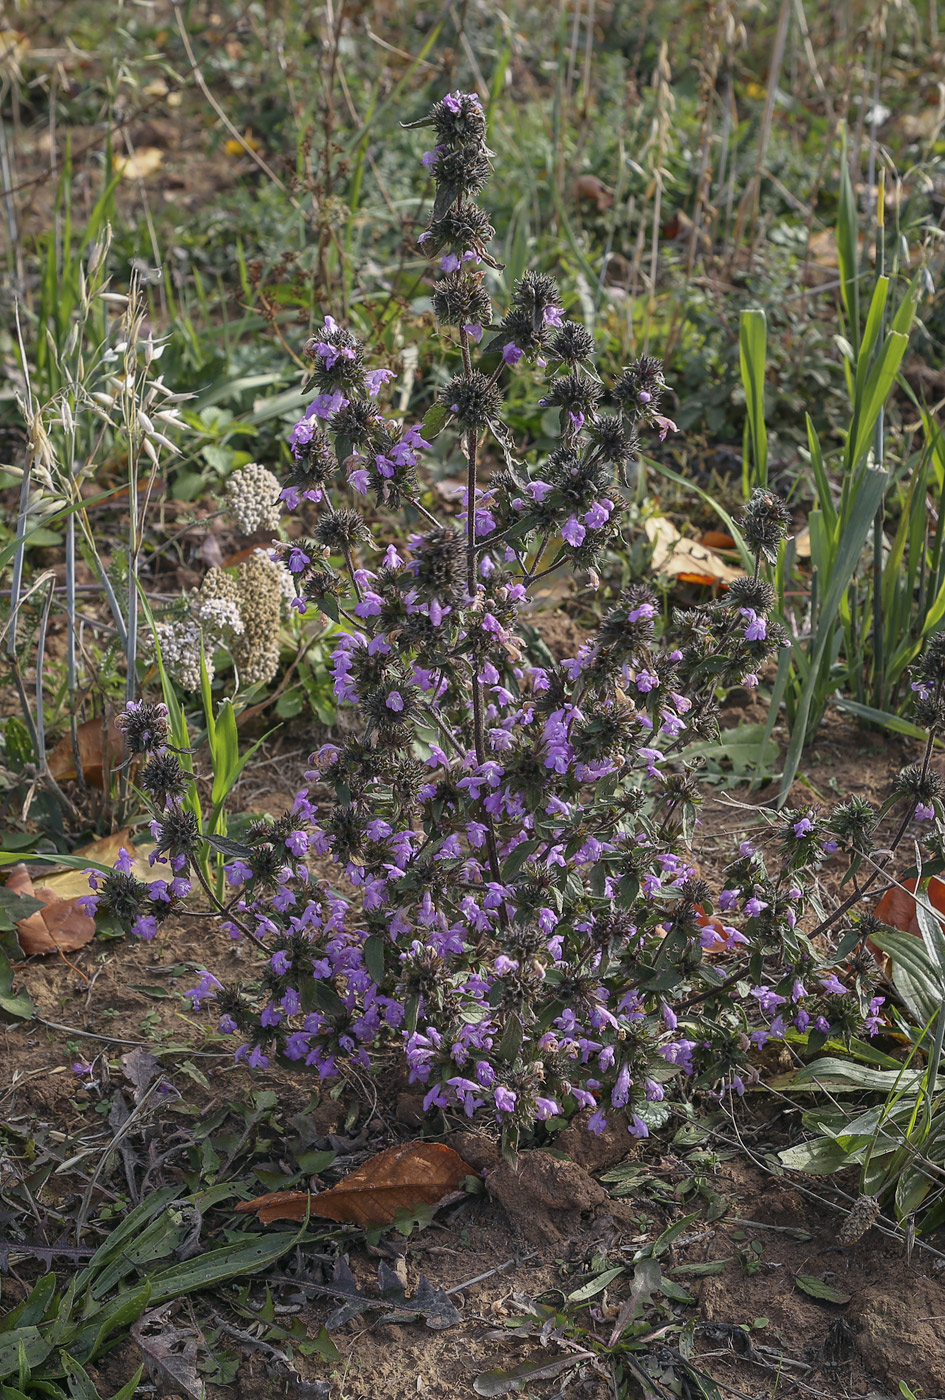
(262, 595)
(180, 652)
(251, 497)
(241, 613)
(216, 606)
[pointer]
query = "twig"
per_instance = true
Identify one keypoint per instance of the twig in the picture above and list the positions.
(499, 1269)
(135, 1044)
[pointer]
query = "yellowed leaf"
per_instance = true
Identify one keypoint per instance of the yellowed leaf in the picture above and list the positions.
(13, 46)
(105, 851)
(802, 545)
(147, 160)
(691, 562)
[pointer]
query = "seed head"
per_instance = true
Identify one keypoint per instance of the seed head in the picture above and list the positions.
(462, 300)
(144, 725)
(764, 523)
(571, 343)
(472, 399)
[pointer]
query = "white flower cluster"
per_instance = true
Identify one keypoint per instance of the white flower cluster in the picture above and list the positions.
(251, 497)
(241, 613)
(262, 598)
(180, 652)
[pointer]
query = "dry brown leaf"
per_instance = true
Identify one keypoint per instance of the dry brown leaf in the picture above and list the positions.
(688, 560)
(99, 750)
(411, 1174)
(592, 190)
(897, 908)
(716, 539)
(147, 160)
(60, 927)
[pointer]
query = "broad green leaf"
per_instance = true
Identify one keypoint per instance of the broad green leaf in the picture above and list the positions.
(596, 1285)
(876, 391)
(34, 1306)
(27, 1341)
(816, 1288)
(914, 976)
(892, 722)
(820, 1157)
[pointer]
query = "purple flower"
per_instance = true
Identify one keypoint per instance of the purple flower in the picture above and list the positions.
(474, 332)
(511, 353)
(207, 987)
(504, 1099)
(803, 828)
(297, 843)
(375, 379)
(545, 1108)
(394, 701)
(757, 629)
(924, 812)
(832, 984)
(573, 532)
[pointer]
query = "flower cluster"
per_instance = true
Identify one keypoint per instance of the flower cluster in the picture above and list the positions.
(241, 612)
(515, 909)
(251, 497)
(134, 905)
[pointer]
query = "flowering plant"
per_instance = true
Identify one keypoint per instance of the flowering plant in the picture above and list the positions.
(517, 912)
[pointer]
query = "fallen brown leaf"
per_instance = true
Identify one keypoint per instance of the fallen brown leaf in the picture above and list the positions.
(591, 190)
(897, 908)
(716, 539)
(99, 750)
(60, 927)
(411, 1174)
(688, 560)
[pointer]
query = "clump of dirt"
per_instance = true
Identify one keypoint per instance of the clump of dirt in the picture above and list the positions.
(544, 1196)
(900, 1336)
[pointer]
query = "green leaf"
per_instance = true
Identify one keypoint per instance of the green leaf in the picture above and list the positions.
(706, 1270)
(752, 353)
(512, 1037)
(675, 1291)
(26, 1340)
(663, 1241)
(374, 948)
(230, 1261)
(433, 420)
(820, 1157)
(915, 978)
(816, 1288)
(13, 1003)
(34, 1306)
(80, 1382)
(596, 1285)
